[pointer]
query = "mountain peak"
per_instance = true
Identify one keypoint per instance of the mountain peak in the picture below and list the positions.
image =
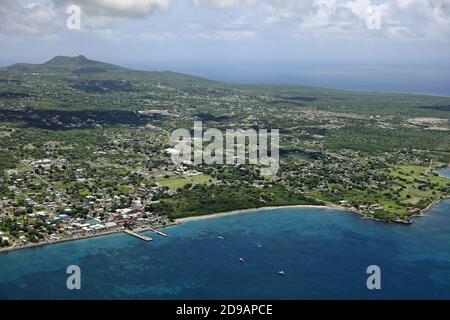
(65, 61)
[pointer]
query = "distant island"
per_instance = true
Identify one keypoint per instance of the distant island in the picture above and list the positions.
(83, 150)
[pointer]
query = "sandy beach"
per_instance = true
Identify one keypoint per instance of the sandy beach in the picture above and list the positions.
(328, 206)
(235, 212)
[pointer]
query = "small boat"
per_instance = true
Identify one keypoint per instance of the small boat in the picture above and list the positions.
(281, 273)
(241, 259)
(259, 246)
(220, 237)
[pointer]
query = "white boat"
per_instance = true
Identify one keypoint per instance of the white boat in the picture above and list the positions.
(241, 259)
(281, 273)
(220, 237)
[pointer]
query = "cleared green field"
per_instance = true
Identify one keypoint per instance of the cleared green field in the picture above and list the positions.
(418, 183)
(203, 178)
(176, 182)
(173, 182)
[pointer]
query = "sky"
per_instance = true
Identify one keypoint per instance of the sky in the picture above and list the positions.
(384, 45)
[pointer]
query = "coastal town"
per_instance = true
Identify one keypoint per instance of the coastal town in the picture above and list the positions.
(45, 206)
(83, 157)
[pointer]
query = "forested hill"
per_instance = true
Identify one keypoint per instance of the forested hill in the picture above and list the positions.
(78, 83)
(82, 67)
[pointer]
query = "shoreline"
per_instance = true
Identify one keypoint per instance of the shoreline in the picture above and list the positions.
(442, 168)
(218, 215)
(175, 222)
(46, 243)
(106, 233)
(251, 210)
(432, 204)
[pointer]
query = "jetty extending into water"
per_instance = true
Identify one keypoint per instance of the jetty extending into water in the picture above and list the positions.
(138, 235)
(158, 232)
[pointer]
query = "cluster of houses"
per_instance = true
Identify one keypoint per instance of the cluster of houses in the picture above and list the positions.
(69, 227)
(373, 208)
(114, 221)
(33, 198)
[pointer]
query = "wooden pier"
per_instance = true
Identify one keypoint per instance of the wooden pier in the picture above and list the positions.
(138, 235)
(158, 232)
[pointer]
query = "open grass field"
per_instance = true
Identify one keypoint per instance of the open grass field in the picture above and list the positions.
(418, 183)
(176, 182)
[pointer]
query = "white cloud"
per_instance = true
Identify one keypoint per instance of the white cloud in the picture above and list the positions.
(321, 16)
(116, 8)
(49, 16)
(427, 19)
(359, 7)
(102, 14)
(398, 18)
(31, 19)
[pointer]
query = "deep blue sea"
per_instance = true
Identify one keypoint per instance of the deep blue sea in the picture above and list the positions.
(324, 253)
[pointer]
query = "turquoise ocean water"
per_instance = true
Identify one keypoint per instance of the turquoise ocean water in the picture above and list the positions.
(323, 252)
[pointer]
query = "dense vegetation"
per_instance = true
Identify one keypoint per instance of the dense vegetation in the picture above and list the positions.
(201, 200)
(87, 138)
